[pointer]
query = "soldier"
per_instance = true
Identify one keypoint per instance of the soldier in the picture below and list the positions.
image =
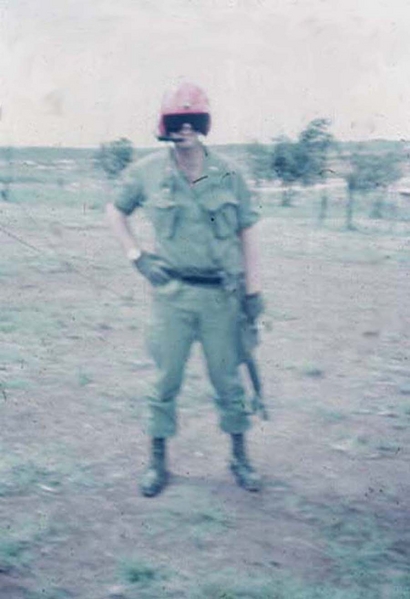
(205, 252)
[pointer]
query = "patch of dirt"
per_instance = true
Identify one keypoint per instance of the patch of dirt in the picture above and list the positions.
(334, 356)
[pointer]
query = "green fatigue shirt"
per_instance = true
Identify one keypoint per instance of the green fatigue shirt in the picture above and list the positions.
(196, 226)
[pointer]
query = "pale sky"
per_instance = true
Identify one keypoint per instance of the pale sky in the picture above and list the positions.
(79, 72)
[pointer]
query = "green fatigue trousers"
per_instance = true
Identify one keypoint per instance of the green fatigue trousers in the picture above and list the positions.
(183, 314)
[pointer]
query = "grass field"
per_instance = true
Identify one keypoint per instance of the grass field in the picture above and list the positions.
(333, 521)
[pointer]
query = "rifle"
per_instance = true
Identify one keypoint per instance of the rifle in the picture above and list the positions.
(248, 340)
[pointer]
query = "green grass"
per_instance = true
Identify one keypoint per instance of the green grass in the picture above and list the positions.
(50, 470)
(331, 416)
(312, 370)
(10, 355)
(195, 516)
(47, 592)
(142, 579)
(7, 269)
(405, 390)
(13, 553)
(232, 584)
(362, 548)
(361, 554)
(404, 408)
(46, 194)
(18, 478)
(388, 447)
(27, 320)
(134, 570)
(17, 541)
(83, 378)
(8, 327)
(14, 383)
(367, 446)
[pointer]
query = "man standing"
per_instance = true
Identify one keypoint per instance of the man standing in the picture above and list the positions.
(205, 255)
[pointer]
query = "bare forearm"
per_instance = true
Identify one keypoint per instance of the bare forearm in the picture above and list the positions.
(120, 226)
(250, 252)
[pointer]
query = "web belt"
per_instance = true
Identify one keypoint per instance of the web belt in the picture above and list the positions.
(209, 279)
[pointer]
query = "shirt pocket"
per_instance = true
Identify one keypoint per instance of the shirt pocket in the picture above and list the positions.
(223, 214)
(165, 215)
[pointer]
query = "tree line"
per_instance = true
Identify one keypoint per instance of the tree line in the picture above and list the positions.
(309, 160)
(306, 161)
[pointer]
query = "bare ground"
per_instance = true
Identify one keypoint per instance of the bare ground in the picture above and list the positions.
(334, 513)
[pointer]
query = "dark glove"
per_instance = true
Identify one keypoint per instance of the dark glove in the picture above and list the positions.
(253, 306)
(152, 267)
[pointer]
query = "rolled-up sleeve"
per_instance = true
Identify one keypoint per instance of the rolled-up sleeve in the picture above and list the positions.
(130, 194)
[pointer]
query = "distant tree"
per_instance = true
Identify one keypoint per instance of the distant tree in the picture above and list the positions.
(113, 157)
(350, 204)
(259, 157)
(286, 162)
(8, 178)
(5, 191)
(315, 143)
(373, 173)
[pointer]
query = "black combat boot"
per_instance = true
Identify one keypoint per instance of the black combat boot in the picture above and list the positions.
(245, 475)
(156, 476)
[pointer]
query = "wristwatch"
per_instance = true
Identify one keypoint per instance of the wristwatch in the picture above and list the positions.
(133, 254)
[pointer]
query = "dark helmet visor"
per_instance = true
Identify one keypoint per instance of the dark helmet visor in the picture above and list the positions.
(199, 122)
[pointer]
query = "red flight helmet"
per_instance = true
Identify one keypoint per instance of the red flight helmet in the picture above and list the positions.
(188, 100)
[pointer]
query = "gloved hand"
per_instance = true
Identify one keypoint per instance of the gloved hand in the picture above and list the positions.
(152, 267)
(253, 306)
